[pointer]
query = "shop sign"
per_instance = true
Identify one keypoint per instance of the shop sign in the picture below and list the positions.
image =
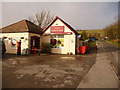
(57, 29)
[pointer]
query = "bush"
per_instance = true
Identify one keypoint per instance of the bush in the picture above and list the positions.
(46, 47)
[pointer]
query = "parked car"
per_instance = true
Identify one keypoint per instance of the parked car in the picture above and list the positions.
(92, 39)
(104, 38)
(2, 47)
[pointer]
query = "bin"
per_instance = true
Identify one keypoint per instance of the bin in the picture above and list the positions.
(83, 49)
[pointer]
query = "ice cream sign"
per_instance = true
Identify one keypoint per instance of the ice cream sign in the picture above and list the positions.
(57, 29)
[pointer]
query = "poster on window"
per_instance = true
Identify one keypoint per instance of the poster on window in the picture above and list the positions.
(60, 43)
(14, 43)
(57, 43)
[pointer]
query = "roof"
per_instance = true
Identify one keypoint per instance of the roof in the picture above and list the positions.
(61, 21)
(22, 26)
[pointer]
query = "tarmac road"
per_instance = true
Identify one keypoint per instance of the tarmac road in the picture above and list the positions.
(112, 55)
(46, 70)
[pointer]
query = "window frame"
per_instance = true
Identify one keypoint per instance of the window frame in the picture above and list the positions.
(57, 37)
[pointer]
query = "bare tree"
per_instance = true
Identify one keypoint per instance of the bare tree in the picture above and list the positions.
(112, 31)
(42, 19)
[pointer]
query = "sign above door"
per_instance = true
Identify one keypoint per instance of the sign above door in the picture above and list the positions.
(57, 29)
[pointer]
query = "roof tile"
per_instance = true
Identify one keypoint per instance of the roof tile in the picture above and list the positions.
(22, 26)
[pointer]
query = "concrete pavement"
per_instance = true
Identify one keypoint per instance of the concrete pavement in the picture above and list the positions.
(101, 74)
(112, 54)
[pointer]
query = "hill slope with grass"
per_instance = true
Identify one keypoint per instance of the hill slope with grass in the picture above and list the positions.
(100, 31)
(92, 32)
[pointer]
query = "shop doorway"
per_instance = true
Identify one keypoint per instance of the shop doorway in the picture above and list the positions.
(35, 43)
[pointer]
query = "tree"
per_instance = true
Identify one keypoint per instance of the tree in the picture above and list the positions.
(42, 19)
(84, 35)
(112, 31)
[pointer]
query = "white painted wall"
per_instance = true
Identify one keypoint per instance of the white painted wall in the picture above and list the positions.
(69, 40)
(24, 42)
(59, 23)
(69, 44)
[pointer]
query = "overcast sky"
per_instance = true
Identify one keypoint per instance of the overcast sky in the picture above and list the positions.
(80, 15)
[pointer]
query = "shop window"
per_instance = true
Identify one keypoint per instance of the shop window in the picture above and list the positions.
(57, 41)
(14, 43)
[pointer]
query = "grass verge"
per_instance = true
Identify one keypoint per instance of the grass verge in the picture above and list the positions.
(114, 43)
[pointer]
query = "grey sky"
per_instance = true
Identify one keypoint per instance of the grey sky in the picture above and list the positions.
(80, 15)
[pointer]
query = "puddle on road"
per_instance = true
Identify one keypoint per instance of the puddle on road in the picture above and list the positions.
(11, 62)
(72, 58)
(10, 59)
(68, 58)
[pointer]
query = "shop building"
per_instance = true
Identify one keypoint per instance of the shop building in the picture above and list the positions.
(24, 34)
(61, 36)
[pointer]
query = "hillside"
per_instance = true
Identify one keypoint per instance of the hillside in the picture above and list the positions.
(92, 31)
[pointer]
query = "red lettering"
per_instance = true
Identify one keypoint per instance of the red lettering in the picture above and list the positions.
(57, 29)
